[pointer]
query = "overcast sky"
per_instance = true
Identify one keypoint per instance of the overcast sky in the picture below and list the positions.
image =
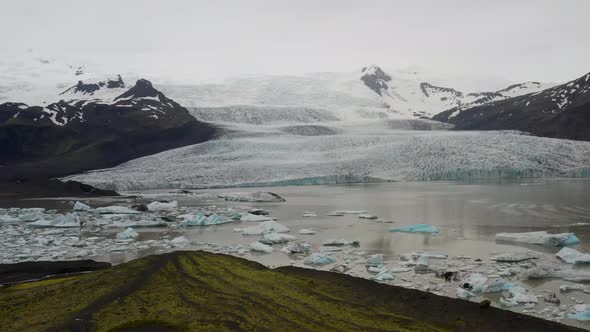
(517, 40)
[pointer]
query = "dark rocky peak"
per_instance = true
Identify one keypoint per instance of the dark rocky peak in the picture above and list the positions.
(142, 88)
(429, 89)
(375, 78)
(91, 88)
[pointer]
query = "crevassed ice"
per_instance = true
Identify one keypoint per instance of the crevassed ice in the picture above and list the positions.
(363, 156)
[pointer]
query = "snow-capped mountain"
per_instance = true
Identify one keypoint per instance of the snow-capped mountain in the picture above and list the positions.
(415, 96)
(88, 133)
(562, 111)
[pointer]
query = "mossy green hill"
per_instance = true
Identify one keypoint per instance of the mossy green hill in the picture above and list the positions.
(192, 291)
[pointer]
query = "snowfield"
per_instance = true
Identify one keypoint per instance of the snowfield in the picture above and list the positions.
(360, 152)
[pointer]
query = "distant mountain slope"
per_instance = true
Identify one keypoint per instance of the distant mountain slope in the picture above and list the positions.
(75, 135)
(561, 112)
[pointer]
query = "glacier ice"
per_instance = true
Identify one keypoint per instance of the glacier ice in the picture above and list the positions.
(258, 196)
(79, 206)
(116, 210)
(359, 154)
(319, 259)
(297, 248)
(200, 219)
(463, 293)
(265, 227)
(128, 234)
(540, 237)
(417, 228)
(278, 237)
(254, 217)
(375, 260)
(162, 206)
(261, 247)
(521, 295)
(517, 256)
(67, 220)
(573, 256)
(582, 312)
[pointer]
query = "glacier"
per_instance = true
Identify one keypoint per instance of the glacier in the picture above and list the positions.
(363, 152)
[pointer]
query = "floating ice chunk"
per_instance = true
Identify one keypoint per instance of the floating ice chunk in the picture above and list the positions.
(508, 303)
(260, 247)
(179, 240)
(418, 254)
(367, 216)
(254, 217)
(116, 210)
(279, 238)
(384, 275)
(33, 216)
(576, 287)
(521, 295)
(582, 312)
(335, 214)
(266, 227)
(341, 242)
(343, 212)
(340, 268)
(473, 279)
(417, 228)
(494, 286)
(128, 234)
(309, 214)
(464, 294)
(162, 206)
(319, 259)
(566, 274)
(258, 196)
(307, 231)
(259, 212)
(200, 219)
(8, 219)
(517, 256)
(541, 237)
(79, 206)
(422, 264)
(572, 256)
(375, 260)
(68, 220)
(297, 248)
(138, 223)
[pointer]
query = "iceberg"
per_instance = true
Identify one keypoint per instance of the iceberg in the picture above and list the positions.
(418, 254)
(179, 240)
(278, 238)
(309, 214)
(367, 216)
(260, 247)
(541, 238)
(384, 275)
(258, 196)
(297, 248)
(494, 286)
(68, 220)
(266, 227)
(576, 287)
(417, 228)
(79, 206)
(464, 294)
(115, 210)
(375, 260)
(343, 212)
(33, 216)
(8, 219)
(582, 312)
(307, 231)
(572, 256)
(128, 234)
(340, 243)
(521, 295)
(319, 259)
(513, 257)
(162, 206)
(200, 219)
(254, 217)
(508, 303)
(335, 214)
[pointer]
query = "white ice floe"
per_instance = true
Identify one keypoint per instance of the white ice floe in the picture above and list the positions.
(254, 217)
(128, 234)
(136, 223)
(375, 260)
(79, 206)
(260, 247)
(116, 210)
(68, 220)
(367, 216)
(297, 248)
(384, 275)
(335, 214)
(309, 214)
(343, 212)
(340, 243)
(266, 227)
(180, 240)
(575, 287)
(319, 259)
(573, 256)
(258, 196)
(200, 219)
(508, 302)
(517, 256)
(541, 237)
(463, 293)
(162, 206)
(417, 228)
(307, 231)
(521, 295)
(581, 312)
(278, 237)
